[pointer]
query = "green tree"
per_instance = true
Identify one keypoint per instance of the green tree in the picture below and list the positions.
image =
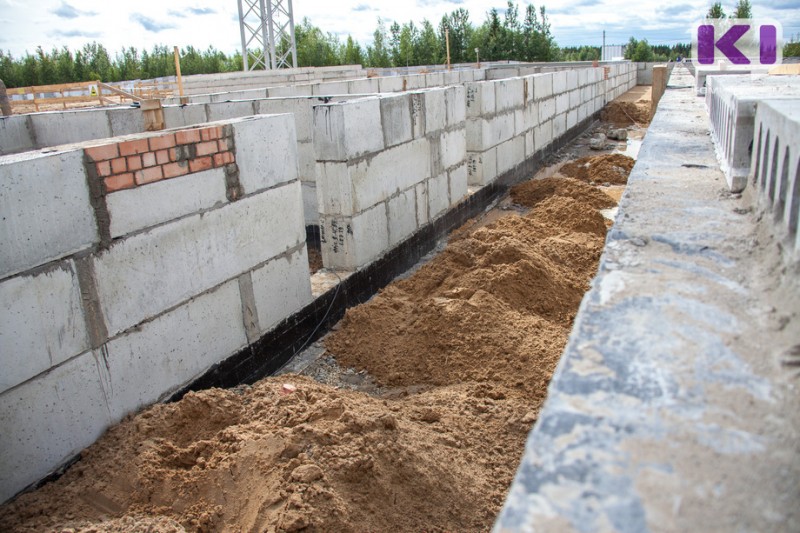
(743, 10)
(353, 55)
(715, 11)
(378, 53)
(426, 45)
(458, 25)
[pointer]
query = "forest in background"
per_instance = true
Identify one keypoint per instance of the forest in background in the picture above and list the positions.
(516, 35)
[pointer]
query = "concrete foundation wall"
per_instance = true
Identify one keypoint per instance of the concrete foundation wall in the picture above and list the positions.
(129, 267)
(386, 167)
(509, 120)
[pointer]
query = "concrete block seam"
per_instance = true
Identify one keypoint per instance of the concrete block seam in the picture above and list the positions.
(90, 301)
(249, 310)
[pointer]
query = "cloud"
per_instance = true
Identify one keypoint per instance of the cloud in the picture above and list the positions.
(150, 24)
(66, 11)
(178, 14)
(76, 33)
(202, 10)
(571, 7)
(673, 11)
(363, 7)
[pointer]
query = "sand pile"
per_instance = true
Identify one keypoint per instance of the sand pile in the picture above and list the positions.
(626, 113)
(474, 335)
(532, 192)
(606, 168)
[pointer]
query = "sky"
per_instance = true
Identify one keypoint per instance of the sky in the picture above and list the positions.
(26, 24)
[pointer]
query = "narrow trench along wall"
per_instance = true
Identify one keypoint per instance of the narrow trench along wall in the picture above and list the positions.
(130, 267)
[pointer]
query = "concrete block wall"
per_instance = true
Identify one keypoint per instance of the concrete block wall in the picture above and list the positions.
(130, 266)
(386, 166)
(233, 81)
(509, 120)
(731, 102)
(775, 170)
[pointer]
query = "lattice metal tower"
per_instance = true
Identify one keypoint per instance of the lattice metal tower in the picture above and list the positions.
(267, 28)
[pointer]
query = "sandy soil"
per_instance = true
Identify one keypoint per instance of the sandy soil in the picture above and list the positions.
(449, 365)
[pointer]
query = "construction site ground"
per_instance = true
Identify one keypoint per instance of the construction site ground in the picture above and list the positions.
(411, 415)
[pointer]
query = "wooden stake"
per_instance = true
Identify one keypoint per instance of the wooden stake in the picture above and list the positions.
(447, 41)
(178, 72)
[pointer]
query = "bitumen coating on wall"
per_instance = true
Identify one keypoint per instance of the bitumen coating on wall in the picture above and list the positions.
(674, 407)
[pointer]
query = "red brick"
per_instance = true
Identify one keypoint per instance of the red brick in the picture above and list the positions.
(229, 158)
(162, 143)
(162, 157)
(133, 147)
(149, 159)
(173, 170)
(224, 158)
(188, 137)
(173, 154)
(200, 164)
(103, 168)
(209, 134)
(134, 162)
(102, 153)
(119, 182)
(149, 175)
(207, 148)
(119, 165)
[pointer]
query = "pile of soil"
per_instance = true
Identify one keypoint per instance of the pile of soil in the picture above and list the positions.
(605, 168)
(532, 192)
(626, 113)
(471, 340)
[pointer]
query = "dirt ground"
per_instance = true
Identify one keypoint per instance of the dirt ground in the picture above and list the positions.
(632, 108)
(430, 390)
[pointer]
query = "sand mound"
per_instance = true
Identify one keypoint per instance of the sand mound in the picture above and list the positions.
(478, 330)
(532, 192)
(626, 113)
(606, 168)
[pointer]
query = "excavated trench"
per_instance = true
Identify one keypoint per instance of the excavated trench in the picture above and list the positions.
(411, 415)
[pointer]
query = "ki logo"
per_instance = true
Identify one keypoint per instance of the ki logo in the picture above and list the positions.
(738, 41)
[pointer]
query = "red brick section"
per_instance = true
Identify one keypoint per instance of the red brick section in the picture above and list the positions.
(130, 164)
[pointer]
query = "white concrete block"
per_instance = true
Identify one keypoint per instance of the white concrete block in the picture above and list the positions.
(434, 79)
(543, 134)
(376, 179)
(583, 112)
(135, 209)
(142, 276)
(349, 243)
(482, 133)
(402, 216)
(456, 106)
(42, 323)
(559, 125)
(453, 148)
(266, 151)
(583, 77)
(572, 118)
(509, 94)
(421, 193)
(451, 77)
(547, 109)
(574, 98)
(365, 86)
(125, 121)
(281, 288)
(48, 421)
(347, 130)
(229, 110)
(560, 82)
(459, 181)
(390, 84)
(306, 162)
(331, 87)
(530, 146)
(301, 108)
(396, 119)
(63, 127)
(482, 166)
(529, 89)
(182, 116)
(310, 205)
(15, 136)
(414, 82)
(435, 110)
(438, 195)
(46, 214)
(151, 362)
(334, 189)
(480, 99)
(510, 154)
(562, 103)
(572, 80)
